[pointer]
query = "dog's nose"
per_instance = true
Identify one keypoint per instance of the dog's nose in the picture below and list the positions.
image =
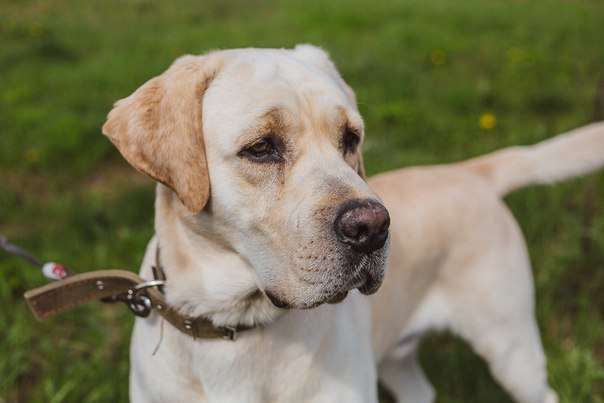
(362, 224)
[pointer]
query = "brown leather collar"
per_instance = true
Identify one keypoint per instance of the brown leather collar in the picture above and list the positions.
(122, 286)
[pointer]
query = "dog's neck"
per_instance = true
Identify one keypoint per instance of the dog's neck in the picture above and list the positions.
(205, 277)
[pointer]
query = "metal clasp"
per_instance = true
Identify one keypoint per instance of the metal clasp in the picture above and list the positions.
(138, 301)
(140, 305)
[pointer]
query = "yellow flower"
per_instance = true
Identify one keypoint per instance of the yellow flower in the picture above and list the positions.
(438, 57)
(32, 155)
(515, 55)
(487, 121)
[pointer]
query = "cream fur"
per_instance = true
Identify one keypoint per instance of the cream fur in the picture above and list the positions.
(458, 260)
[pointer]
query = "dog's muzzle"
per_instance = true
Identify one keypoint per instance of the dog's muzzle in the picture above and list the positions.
(363, 225)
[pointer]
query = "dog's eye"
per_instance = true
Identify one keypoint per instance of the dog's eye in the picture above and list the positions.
(263, 150)
(350, 141)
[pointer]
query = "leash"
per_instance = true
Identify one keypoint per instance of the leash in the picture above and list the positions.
(50, 270)
(68, 291)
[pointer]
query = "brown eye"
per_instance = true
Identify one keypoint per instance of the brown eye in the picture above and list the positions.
(263, 150)
(350, 141)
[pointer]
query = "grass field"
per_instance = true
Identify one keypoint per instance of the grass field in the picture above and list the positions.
(437, 81)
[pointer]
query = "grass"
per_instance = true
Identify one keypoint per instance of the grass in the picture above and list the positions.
(425, 72)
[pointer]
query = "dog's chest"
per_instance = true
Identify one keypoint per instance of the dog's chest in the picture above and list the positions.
(306, 356)
(319, 356)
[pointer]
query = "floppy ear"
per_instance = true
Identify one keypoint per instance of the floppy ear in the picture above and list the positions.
(158, 129)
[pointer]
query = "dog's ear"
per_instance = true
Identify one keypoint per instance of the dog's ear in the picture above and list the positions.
(158, 129)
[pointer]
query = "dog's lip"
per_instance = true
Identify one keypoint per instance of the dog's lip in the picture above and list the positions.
(366, 281)
(372, 281)
(339, 297)
(281, 304)
(370, 285)
(276, 301)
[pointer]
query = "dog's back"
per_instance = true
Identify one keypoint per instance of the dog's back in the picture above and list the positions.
(458, 261)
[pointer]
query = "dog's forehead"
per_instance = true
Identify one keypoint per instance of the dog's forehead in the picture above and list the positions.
(254, 81)
(283, 66)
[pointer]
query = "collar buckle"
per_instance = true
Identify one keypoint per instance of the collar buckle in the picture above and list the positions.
(230, 333)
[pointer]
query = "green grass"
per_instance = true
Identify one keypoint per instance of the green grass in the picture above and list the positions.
(425, 71)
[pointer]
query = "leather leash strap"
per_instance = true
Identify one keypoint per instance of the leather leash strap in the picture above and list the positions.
(120, 286)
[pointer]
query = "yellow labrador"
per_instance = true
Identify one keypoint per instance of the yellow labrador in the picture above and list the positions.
(262, 212)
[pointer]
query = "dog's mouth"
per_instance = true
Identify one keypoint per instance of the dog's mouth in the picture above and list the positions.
(339, 297)
(365, 274)
(372, 283)
(369, 272)
(282, 304)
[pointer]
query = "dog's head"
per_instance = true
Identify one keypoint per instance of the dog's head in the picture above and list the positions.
(263, 149)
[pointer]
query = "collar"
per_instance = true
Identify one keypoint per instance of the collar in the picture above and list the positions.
(140, 295)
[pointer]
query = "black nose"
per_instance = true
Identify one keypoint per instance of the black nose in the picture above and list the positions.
(362, 224)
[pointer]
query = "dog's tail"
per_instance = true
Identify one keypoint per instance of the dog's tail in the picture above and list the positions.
(571, 154)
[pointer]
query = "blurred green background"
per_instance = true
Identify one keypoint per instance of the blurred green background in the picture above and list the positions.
(437, 81)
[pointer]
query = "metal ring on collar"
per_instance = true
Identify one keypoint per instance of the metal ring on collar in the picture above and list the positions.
(139, 303)
(148, 284)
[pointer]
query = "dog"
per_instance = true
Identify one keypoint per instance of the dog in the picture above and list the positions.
(264, 218)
